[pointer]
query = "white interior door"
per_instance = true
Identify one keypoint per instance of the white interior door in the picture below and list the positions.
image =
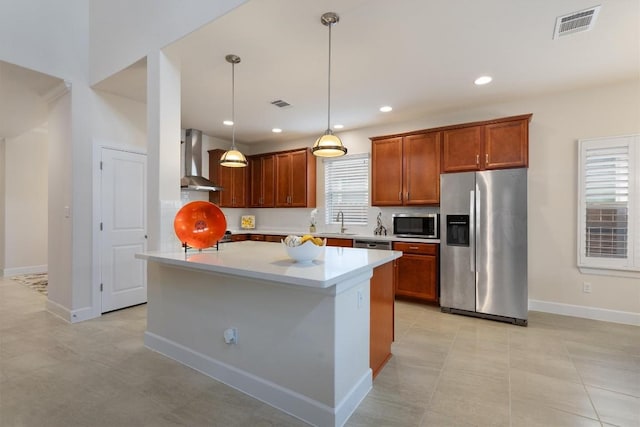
(124, 215)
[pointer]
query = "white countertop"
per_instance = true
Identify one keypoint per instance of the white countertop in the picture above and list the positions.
(269, 261)
(355, 236)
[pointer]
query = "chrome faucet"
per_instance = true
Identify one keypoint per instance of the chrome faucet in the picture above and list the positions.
(340, 218)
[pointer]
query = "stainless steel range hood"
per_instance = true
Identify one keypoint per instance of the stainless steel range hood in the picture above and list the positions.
(193, 179)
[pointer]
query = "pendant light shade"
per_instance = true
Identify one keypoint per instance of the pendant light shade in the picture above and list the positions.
(233, 157)
(329, 145)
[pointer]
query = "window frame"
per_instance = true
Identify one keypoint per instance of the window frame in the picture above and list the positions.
(630, 265)
(331, 219)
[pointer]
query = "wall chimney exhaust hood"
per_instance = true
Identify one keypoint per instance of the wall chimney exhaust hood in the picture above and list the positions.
(193, 179)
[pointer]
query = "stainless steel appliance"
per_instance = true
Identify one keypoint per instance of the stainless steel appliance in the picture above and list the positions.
(416, 225)
(193, 179)
(483, 247)
(372, 244)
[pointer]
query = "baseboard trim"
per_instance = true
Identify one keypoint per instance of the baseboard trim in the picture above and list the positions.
(586, 312)
(34, 269)
(71, 316)
(289, 401)
(59, 310)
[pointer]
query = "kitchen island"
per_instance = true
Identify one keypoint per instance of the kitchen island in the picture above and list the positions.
(302, 329)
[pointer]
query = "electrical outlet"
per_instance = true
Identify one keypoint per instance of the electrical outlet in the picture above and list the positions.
(231, 336)
(586, 287)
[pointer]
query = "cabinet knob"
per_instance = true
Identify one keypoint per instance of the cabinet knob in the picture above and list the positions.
(486, 158)
(400, 195)
(477, 159)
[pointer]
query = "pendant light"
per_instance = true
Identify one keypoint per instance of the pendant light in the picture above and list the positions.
(233, 158)
(329, 145)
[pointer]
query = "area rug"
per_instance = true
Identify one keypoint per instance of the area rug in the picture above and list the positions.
(37, 282)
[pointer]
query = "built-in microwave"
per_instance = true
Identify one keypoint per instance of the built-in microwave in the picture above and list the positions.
(416, 225)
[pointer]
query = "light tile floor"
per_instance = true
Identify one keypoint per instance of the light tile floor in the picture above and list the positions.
(447, 370)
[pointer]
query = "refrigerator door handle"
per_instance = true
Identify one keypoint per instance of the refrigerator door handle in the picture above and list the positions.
(478, 211)
(472, 230)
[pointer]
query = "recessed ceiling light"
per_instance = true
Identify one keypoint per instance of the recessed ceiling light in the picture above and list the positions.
(483, 80)
(338, 126)
(228, 123)
(385, 109)
(276, 130)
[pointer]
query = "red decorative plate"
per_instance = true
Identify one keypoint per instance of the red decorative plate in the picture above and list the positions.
(200, 224)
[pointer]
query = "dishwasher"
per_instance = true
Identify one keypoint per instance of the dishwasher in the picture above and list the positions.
(372, 244)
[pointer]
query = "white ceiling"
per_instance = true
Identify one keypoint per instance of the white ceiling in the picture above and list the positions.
(419, 56)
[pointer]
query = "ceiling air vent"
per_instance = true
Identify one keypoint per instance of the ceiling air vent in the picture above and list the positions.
(280, 103)
(575, 22)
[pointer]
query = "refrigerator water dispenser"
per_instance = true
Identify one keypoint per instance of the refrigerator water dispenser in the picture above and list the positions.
(458, 230)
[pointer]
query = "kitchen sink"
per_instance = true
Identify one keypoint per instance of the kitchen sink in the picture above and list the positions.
(336, 234)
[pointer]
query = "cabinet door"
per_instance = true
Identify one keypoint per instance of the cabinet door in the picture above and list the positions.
(381, 316)
(298, 183)
(507, 145)
(239, 187)
(386, 172)
(261, 181)
(422, 169)
(255, 182)
(283, 179)
(417, 277)
(225, 176)
(461, 149)
(268, 181)
(214, 174)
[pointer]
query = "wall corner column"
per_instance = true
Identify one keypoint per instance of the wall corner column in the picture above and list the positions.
(163, 142)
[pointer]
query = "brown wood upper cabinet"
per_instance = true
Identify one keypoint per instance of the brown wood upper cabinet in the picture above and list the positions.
(295, 179)
(232, 180)
(262, 181)
(495, 144)
(405, 170)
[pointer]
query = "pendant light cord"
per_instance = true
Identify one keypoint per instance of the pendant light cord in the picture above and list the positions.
(329, 85)
(233, 105)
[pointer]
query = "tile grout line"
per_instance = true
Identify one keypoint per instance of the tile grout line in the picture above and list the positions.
(437, 383)
(584, 386)
(509, 376)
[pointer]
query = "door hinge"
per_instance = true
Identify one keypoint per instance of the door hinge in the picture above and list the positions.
(100, 164)
(101, 287)
(100, 226)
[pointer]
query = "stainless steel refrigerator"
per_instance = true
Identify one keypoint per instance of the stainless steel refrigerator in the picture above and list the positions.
(483, 244)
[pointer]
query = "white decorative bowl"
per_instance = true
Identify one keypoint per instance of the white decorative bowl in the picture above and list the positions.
(306, 252)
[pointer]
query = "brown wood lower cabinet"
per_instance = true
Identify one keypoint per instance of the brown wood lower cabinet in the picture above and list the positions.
(345, 243)
(417, 272)
(381, 317)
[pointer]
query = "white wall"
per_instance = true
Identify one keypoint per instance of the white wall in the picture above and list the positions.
(119, 122)
(559, 120)
(123, 31)
(2, 205)
(60, 220)
(26, 195)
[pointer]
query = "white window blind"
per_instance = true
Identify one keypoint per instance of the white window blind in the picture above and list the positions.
(609, 197)
(346, 187)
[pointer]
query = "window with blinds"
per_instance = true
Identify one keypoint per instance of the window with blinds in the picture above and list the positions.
(608, 197)
(346, 189)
